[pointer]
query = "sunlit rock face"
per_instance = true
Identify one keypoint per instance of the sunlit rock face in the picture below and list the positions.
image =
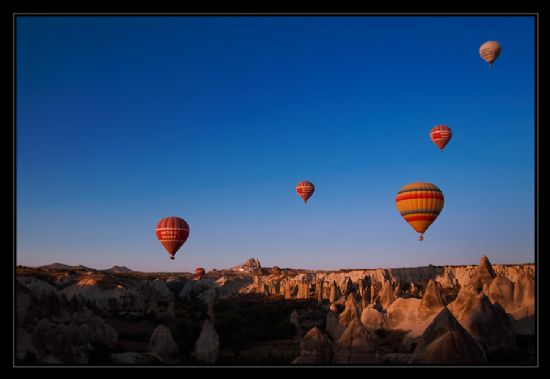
(415, 315)
(250, 266)
(447, 278)
(433, 298)
(501, 290)
(386, 295)
(373, 319)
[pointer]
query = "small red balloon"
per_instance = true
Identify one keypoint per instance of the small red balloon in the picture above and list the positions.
(441, 135)
(305, 189)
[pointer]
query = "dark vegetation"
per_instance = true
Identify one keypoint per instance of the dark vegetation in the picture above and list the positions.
(251, 324)
(524, 356)
(241, 322)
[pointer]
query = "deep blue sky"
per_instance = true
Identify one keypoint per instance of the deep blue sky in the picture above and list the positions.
(122, 121)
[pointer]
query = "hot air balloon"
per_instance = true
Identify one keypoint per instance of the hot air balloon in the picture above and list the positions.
(305, 189)
(199, 273)
(490, 51)
(441, 135)
(172, 232)
(419, 204)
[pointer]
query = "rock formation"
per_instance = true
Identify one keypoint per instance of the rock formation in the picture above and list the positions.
(501, 290)
(413, 292)
(397, 292)
(44, 338)
(194, 288)
(209, 298)
(386, 295)
(332, 323)
(433, 298)
(446, 279)
(72, 303)
(163, 346)
(314, 348)
(487, 323)
(351, 311)
(319, 292)
(374, 319)
(346, 287)
(373, 293)
(364, 300)
(72, 346)
(355, 346)
(207, 346)
(483, 275)
(360, 287)
(96, 329)
(252, 265)
(333, 292)
(303, 290)
(524, 298)
(295, 320)
(445, 341)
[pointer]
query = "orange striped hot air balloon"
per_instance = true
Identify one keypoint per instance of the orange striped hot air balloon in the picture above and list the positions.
(490, 51)
(419, 204)
(172, 232)
(305, 189)
(441, 135)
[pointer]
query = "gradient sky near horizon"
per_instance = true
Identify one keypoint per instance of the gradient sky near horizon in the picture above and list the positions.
(121, 121)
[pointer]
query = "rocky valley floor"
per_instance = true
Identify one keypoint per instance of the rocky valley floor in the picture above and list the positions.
(248, 315)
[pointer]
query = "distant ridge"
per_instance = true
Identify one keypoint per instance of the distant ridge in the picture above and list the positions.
(61, 266)
(118, 269)
(253, 265)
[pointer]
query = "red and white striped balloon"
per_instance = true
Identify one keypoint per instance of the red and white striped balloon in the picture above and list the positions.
(441, 135)
(305, 189)
(172, 232)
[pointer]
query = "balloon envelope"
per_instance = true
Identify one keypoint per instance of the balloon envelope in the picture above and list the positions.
(490, 51)
(419, 204)
(172, 232)
(441, 135)
(305, 189)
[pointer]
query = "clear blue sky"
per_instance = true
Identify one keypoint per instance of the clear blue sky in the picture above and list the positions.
(122, 121)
